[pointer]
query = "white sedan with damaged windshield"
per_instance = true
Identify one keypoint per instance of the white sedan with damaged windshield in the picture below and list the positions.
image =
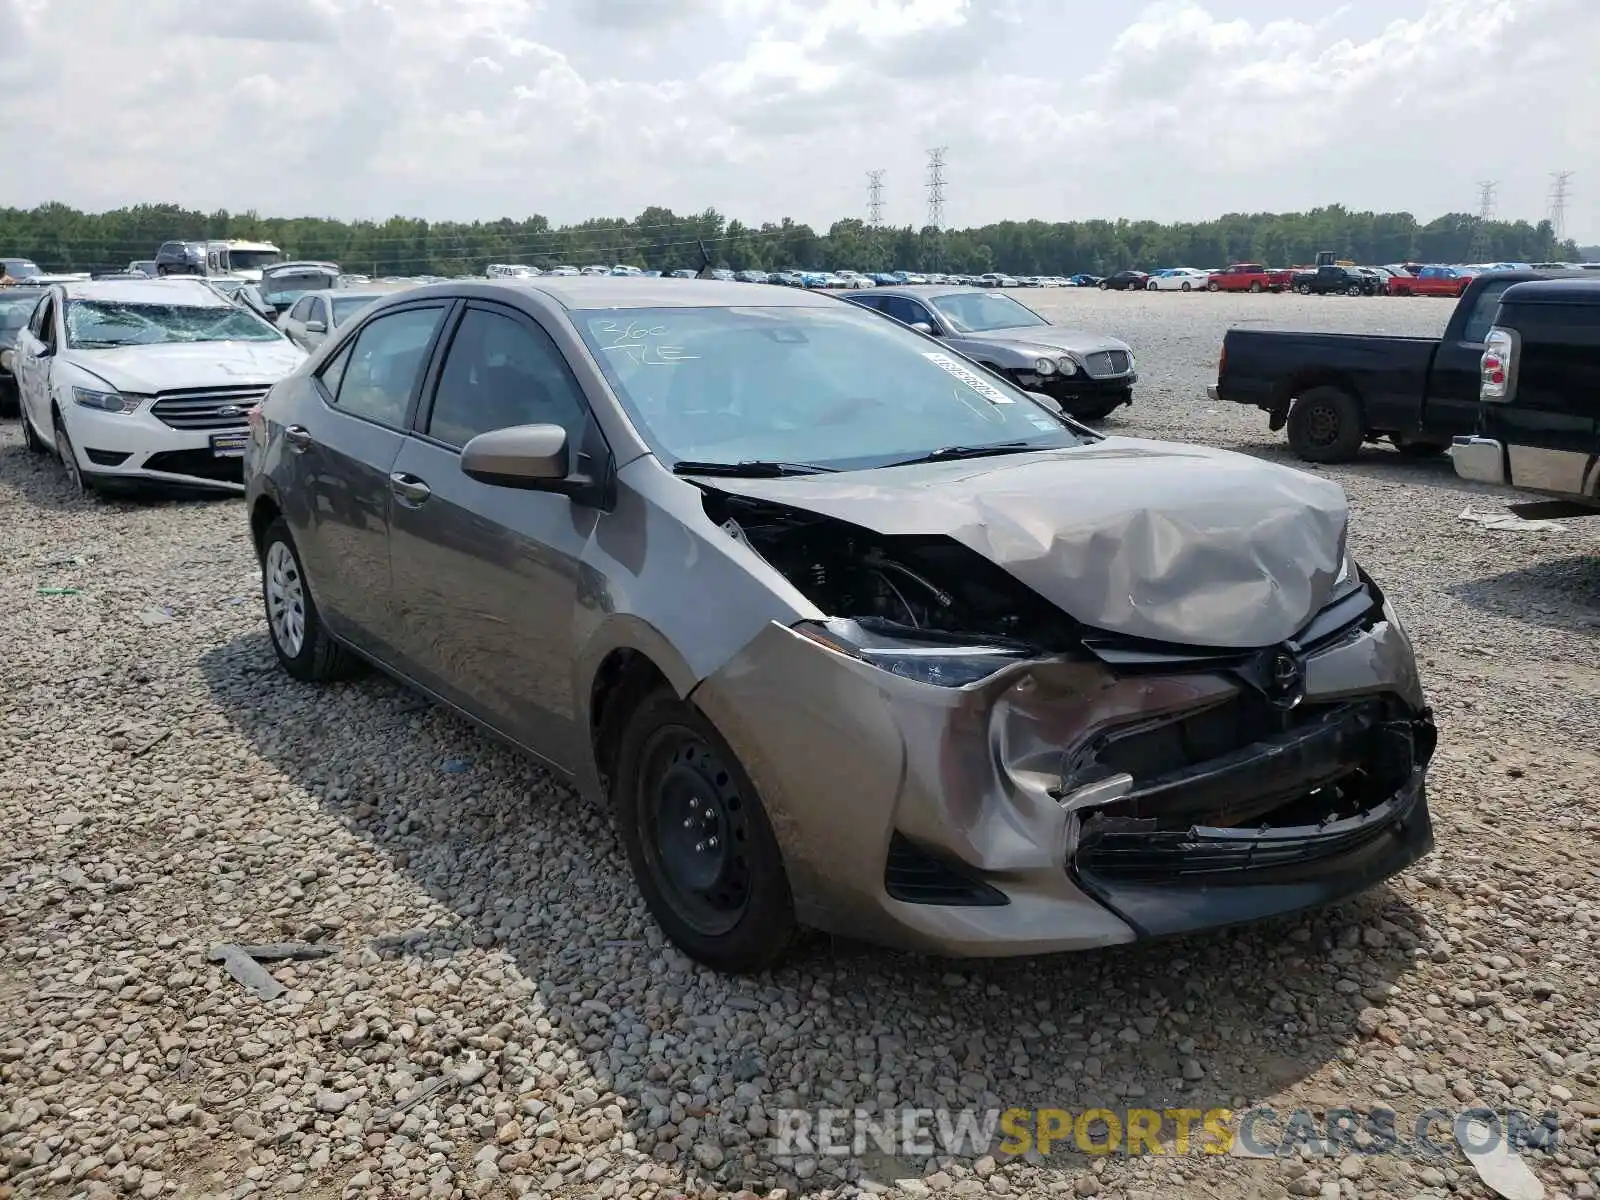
(134, 383)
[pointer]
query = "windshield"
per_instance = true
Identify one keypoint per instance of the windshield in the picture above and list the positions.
(833, 387)
(19, 268)
(102, 324)
(15, 310)
(979, 312)
(345, 307)
(252, 260)
(288, 287)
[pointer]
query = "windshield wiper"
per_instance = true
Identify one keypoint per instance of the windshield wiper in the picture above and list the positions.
(749, 468)
(950, 453)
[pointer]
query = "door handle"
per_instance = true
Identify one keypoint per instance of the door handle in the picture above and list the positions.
(409, 487)
(297, 436)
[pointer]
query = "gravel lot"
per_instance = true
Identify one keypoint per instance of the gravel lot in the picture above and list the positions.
(165, 789)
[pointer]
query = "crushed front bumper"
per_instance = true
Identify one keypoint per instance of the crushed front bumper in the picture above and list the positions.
(957, 820)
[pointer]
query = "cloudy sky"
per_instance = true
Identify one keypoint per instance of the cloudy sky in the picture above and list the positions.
(764, 108)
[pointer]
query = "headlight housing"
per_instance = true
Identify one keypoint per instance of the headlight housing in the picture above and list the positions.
(1349, 577)
(1044, 366)
(111, 402)
(1066, 365)
(923, 655)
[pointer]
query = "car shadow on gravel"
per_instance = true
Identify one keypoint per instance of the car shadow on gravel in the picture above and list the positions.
(1556, 593)
(1228, 1019)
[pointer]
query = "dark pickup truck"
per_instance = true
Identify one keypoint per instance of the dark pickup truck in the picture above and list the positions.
(1336, 391)
(1539, 399)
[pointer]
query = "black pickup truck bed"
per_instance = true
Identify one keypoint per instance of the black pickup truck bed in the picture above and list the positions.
(1337, 391)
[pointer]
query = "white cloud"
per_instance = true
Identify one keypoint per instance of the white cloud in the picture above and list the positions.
(766, 108)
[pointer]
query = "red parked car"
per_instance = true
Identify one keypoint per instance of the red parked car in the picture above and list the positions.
(1249, 277)
(1431, 281)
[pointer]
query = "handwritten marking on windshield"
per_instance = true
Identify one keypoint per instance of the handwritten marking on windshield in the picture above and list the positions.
(635, 341)
(969, 377)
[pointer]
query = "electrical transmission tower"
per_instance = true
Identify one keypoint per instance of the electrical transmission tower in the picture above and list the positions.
(936, 186)
(1481, 247)
(875, 199)
(1560, 193)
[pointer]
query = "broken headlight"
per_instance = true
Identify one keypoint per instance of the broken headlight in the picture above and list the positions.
(924, 655)
(1349, 577)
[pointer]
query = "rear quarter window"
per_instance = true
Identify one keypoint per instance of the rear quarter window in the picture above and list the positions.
(1553, 324)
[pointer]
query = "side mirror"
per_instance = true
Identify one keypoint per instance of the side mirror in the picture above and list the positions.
(1049, 402)
(924, 327)
(46, 350)
(316, 327)
(533, 457)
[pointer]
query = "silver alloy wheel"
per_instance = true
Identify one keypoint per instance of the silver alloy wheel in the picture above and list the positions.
(286, 599)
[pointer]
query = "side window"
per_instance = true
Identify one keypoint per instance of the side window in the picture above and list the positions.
(873, 302)
(907, 312)
(383, 366)
(301, 307)
(36, 321)
(47, 322)
(499, 372)
(333, 373)
(318, 310)
(1483, 310)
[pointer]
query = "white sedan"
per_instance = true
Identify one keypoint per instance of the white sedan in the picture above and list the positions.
(147, 382)
(1179, 279)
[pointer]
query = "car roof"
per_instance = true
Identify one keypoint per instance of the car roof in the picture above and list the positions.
(145, 291)
(923, 291)
(1548, 289)
(22, 289)
(634, 291)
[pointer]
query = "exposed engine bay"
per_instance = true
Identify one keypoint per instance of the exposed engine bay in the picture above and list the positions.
(926, 583)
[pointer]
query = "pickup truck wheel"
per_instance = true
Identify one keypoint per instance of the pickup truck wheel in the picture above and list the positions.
(1255, 288)
(1353, 290)
(1326, 426)
(1304, 289)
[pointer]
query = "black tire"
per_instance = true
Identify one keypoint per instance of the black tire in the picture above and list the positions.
(698, 839)
(1103, 286)
(1185, 288)
(1304, 289)
(1095, 412)
(1421, 449)
(1255, 289)
(30, 437)
(1213, 287)
(318, 658)
(10, 400)
(1353, 290)
(1326, 426)
(67, 453)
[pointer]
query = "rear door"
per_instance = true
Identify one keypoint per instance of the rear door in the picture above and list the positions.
(487, 578)
(340, 442)
(35, 347)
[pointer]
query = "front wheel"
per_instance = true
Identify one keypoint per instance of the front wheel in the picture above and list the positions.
(1326, 426)
(1103, 286)
(30, 436)
(68, 455)
(1255, 289)
(698, 840)
(1353, 290)
(1304, 289)
(300, 640)
(1217, 287)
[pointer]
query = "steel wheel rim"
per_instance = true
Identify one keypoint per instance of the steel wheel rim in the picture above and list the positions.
(1322, 425)
(286, 599)
(696, 831)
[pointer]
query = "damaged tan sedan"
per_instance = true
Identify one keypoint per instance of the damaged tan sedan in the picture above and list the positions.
(846, 631)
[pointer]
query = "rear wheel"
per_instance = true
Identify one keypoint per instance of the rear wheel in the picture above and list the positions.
(1256, 287)
(1326, 426)
(300, 640)
(698, 839)
(1186, 288)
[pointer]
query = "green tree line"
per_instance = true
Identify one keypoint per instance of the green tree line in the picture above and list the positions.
(60, 238)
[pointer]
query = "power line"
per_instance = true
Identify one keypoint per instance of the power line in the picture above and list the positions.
(875, 198)
(1560, 193)
(936, 186)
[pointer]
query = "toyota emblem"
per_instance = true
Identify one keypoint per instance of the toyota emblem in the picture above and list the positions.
(1287, 678)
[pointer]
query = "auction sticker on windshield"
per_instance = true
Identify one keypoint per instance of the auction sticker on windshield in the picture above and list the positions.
(969, 377)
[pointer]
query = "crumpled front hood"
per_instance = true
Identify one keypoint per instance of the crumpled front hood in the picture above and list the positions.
(155, 368)
(1174, 543)
(1048, 337)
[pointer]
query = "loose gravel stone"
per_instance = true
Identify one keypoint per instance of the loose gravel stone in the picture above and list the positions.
(500, 1015)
